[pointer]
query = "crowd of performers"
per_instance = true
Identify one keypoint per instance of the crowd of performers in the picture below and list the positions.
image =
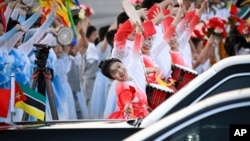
(116, 71)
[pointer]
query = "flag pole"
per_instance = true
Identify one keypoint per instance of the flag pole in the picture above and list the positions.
(12, 96)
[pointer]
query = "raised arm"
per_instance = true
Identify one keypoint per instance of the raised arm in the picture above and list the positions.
(8, 35)
(165, 3)
(121, 40)
(29, 34)
(105, 42)
(8, 11)
(195, 18)
(170, 30)
(205, 53)
(84, 42)
(27, 47)
(4, 3)
(13, 36)
(31, 20)
(122, 34)
(22, 16)
(18, 7)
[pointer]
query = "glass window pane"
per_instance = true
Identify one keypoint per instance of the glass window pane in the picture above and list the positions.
(213, 128)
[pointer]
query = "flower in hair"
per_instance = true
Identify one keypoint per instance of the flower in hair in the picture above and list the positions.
(88, 10)
(81, 14)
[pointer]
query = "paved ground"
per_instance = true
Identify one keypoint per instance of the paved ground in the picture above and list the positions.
(106, 11)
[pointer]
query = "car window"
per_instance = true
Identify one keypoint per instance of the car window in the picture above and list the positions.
(237, 82)
(214, 127)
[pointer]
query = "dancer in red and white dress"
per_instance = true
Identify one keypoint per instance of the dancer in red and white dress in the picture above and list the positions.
(131, 100)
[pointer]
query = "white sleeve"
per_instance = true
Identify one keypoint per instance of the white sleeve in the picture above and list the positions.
(7, 14)
(10, 43)
(27, 46)
(15, 13)
(92, 53)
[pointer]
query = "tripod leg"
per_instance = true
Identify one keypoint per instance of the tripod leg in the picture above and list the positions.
(48, 77)
(32, 86)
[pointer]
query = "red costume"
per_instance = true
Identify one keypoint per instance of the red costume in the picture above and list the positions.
(131, 92)
(149, 63)
(177, 58)
(128, 93)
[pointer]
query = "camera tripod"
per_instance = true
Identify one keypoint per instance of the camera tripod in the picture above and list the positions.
(41, 78)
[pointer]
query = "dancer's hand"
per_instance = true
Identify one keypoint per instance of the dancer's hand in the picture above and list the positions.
(23, 12)
(20, 28)
(143, 13)
(139, 29)
(11, 4)
(203, 8)
(159, 16)
(53, 31)
(40, 12)
(22, 6)
(128, 109)
(54, 7)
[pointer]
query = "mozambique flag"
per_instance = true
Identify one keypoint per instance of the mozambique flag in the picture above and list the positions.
(30, 101)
